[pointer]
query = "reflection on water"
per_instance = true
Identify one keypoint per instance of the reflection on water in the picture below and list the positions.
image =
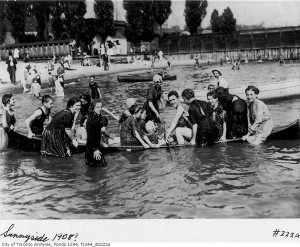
(221, 181)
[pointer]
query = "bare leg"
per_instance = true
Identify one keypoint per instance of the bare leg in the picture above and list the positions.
(182, 133)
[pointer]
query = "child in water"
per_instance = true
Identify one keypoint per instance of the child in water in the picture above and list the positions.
(36, 89)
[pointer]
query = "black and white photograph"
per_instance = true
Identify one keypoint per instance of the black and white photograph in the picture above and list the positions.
(138, 116)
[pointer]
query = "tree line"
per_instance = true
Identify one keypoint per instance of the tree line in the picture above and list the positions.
(60, 19)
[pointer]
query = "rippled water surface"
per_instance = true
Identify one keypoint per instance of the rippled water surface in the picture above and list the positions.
(221, 181)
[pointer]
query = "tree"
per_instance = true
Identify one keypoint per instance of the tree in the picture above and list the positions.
(161, 12)
(1, 22)
(228, 23)
(195, 11)
(16, 13)
(104, 10)
(215, 21)
(140, 20)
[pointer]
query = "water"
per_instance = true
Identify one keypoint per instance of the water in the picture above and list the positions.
(221, 181)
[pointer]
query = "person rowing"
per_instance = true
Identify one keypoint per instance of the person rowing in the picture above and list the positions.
(260, 122)
(154, 95)
(58, 138)
(35, 123)
(204, 130)
(181, 124)
(129, 129)
(94, 125)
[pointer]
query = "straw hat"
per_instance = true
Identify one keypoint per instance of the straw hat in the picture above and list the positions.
(130, 102)
(217, 71)
(157, 78)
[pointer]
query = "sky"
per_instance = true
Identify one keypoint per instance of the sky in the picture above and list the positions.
(271, 13)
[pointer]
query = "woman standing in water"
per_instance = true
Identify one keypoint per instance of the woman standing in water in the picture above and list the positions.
(8, 121)
(35, 123)
(235, 111)
(58, 137)
(94, 125)
(259, 118)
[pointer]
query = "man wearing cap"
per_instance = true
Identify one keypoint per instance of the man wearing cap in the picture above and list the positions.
(221, 81)
(154, 95)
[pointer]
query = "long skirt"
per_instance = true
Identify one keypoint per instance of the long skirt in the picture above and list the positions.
(55, 142)
(207, 132)
(3, 139)
(237, 121)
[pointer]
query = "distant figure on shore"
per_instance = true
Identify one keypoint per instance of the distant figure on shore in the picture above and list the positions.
(16, 53)
(221, 61)
(11, 67)
(281, 60)
(197, 61)
(246, 59)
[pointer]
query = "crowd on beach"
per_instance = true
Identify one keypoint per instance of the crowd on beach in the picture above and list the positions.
(222, 117)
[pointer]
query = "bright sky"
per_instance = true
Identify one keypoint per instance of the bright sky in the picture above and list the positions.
(271, 13)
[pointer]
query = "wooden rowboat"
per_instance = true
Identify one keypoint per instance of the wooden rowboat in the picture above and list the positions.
(272, 90)
(287, 132)
(142, 78)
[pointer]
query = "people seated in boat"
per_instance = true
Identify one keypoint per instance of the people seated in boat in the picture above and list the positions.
(95, 92)
(149, 131)
(95, 122)
(221, 81)
(180, 123)
(129, 129)
(58, 139)
(129, 102)
(154, 96)
(8, 122)
(204, 131)
(235, 110)
(260, 122)
(218, 116)
(35, 123)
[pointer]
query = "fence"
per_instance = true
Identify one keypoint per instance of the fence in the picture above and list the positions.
(265, 44)
(38, 50)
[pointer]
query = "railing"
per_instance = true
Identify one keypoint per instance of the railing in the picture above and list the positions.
(245, 41)
(39, 50)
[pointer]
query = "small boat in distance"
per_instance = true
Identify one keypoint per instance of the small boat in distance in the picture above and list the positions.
(142, 77)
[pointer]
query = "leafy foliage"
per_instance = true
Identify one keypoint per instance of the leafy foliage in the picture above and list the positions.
(215, 21)
(228, 23)
(225, 23)
(195, 11)
(104, 23)
(161, 11)
(16, 12)
(141, 17)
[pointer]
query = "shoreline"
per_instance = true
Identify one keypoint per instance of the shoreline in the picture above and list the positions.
(79, 72)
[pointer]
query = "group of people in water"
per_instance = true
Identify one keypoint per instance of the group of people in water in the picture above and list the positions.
(196, 122)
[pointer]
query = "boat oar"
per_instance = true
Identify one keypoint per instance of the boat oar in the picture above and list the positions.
(231, 140)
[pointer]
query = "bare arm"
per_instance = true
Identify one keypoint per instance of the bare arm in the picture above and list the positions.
(99, 92)
(153, 108)
(110, 113)
(195, 128)
(175, 121)
(137, 135)
(35, 115)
